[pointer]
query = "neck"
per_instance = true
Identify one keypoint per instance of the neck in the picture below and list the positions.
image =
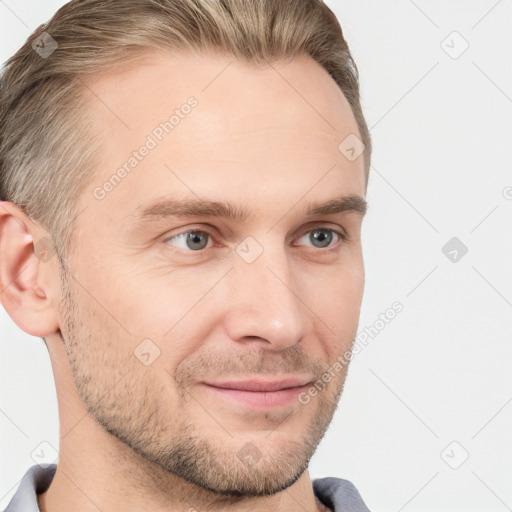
(115, 478)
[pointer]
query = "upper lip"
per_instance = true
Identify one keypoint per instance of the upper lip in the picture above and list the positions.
(262, 384)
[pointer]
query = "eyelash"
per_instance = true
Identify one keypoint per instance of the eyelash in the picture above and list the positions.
(343, 238)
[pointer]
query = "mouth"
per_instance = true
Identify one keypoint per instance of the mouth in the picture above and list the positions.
(258, 393)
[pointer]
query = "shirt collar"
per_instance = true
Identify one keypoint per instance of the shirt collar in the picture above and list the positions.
(35, 481)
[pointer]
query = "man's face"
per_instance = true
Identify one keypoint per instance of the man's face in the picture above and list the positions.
(152, 311)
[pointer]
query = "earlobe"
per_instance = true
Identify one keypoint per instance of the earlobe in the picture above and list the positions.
(27, 272)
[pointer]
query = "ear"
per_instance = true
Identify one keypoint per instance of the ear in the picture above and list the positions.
(29, 272)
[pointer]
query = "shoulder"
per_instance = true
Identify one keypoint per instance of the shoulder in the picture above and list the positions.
(339, 494)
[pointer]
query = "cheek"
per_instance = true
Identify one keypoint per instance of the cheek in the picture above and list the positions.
(351, 295)
(339, 290)
(336, 302)
(155, 304)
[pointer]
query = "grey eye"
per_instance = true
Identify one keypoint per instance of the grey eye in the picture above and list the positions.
(192, 240)
(320, 237)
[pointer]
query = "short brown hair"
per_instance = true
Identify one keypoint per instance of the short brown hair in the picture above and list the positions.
(46, 154)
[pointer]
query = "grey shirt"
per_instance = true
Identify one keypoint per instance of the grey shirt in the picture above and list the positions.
(337, 494)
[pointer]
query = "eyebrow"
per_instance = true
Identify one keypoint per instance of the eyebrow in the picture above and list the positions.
(227, 210)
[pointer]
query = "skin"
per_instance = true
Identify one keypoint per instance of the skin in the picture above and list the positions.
(152, 437)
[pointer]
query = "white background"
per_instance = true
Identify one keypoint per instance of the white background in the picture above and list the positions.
(441, 370)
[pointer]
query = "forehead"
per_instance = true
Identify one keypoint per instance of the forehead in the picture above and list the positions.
(218, 77)
(211, 122)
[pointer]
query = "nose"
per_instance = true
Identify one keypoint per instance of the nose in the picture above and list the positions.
(265, 304)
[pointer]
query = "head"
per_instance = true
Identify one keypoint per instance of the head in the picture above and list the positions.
(193, 215)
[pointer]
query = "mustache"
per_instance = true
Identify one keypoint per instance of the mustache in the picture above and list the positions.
(224, 363)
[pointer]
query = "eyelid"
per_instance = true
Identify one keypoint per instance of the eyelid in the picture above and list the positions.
(208, 230)
(340, 232)
(326, 225)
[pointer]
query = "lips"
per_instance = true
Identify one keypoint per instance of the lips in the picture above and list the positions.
(261, 385)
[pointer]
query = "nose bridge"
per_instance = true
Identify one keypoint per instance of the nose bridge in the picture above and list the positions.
(263, 299)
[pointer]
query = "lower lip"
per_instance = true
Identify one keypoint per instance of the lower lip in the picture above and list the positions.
(261, 399)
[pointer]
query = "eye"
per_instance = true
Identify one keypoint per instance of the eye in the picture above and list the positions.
(322, 237)
(197, 240)
(191, 240)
